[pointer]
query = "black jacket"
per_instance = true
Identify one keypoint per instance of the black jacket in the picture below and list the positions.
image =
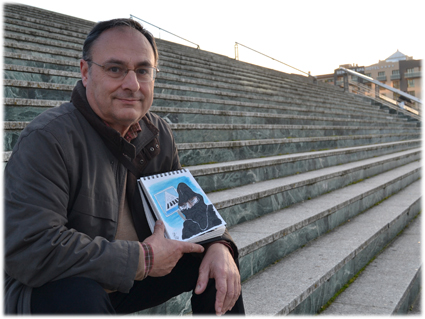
(62, 192)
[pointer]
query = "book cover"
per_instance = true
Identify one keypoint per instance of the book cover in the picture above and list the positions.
(178, 200)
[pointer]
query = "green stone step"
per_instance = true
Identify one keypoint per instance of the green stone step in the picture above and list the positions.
(314, 273)
(248, 202)
(198, 133)
(220, 176)
(267, 239)
(394, 276)
(216, 152)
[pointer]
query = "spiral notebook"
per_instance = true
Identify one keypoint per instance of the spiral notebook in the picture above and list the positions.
(177, 199)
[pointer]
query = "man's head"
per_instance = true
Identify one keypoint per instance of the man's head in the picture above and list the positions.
(105, 25)
(111, 46)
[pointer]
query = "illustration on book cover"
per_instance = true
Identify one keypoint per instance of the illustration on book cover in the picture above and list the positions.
(183, 207)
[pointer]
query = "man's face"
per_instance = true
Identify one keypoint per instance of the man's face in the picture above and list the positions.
(119, 102)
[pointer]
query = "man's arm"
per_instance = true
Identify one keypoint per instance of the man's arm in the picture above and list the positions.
(39, 247)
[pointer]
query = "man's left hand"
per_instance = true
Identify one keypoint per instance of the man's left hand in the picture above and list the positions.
(218, 263)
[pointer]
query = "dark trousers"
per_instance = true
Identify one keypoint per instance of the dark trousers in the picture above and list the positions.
(78, 295)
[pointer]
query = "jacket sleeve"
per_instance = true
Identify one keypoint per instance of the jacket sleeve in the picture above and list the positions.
(39, 248)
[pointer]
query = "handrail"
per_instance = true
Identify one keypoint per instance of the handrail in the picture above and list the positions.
(197, 45)
(237, 58)
(367, 78)
(364, 90)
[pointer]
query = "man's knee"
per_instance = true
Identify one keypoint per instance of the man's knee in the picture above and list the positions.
(76, 295)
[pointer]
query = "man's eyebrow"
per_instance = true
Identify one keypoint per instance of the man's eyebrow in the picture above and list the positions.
(117, 61)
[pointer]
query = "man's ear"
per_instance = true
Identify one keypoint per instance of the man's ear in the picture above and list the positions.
(84, 69)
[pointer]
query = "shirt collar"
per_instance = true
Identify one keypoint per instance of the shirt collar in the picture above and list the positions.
(132, 132)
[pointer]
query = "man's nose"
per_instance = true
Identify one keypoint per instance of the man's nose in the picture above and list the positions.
(130, 81)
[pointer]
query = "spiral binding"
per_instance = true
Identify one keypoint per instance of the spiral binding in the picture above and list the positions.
(164, 174)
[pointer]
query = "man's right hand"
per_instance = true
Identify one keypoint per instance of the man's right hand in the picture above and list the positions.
(167, 252)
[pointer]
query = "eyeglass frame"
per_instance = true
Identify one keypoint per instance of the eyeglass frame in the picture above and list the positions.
(156, 71)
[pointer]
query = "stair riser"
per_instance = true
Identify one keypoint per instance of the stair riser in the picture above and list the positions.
(411, 294)
(264, 204)
(37, 93)
(212, 135)
(176, 116)
(212, 182)
(44, 65)
(196, 156)
(254, 261)
(180, 116)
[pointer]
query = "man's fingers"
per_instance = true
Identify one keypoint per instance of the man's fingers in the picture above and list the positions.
(203, 278)
(233, 292)
(159, 228)
(221, 286)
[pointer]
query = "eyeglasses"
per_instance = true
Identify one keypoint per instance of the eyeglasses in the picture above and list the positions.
(118, 71)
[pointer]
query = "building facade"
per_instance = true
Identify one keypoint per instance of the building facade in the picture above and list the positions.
(398, 71)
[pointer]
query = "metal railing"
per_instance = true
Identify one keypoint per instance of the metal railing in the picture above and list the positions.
(364, 90)
(237, 58)
(197, 45)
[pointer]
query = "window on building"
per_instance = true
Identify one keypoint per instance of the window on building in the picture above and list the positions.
(412, 93)
(369, 74)
(354, 78)
(381, 73)
(396, 84)
(410, 83)
(396, 72)
(411, 70)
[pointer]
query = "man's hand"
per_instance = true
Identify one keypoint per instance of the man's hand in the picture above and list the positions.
(218, 263)
(167, 252)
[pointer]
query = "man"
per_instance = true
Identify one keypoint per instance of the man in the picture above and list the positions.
(199, 216)
(76, 238)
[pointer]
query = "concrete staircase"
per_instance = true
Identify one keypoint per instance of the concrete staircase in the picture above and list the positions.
(313, 182)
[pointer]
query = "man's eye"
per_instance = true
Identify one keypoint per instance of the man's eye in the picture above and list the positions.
(142, 71)
(114, 69)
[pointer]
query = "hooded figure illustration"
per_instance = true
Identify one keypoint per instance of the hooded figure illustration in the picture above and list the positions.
(199, 216)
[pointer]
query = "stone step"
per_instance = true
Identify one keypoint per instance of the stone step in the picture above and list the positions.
(24, 30)
(217, 152)
(388, 285)
(290, 99)
(282, 102)
(34, 61)
(24, 109)
(61, 90)
(198, 133)
(304, 281)
(224, 84)
(47, 17)
(198, 70)
(223, 81)
(18, 20)
(251, 201)
(220, 176)
(203, 68)
(265, 240)
(36, 52)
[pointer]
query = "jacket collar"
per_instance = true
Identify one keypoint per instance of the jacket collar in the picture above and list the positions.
(109, 135)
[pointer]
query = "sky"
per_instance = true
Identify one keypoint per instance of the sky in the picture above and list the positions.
(310, 35)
